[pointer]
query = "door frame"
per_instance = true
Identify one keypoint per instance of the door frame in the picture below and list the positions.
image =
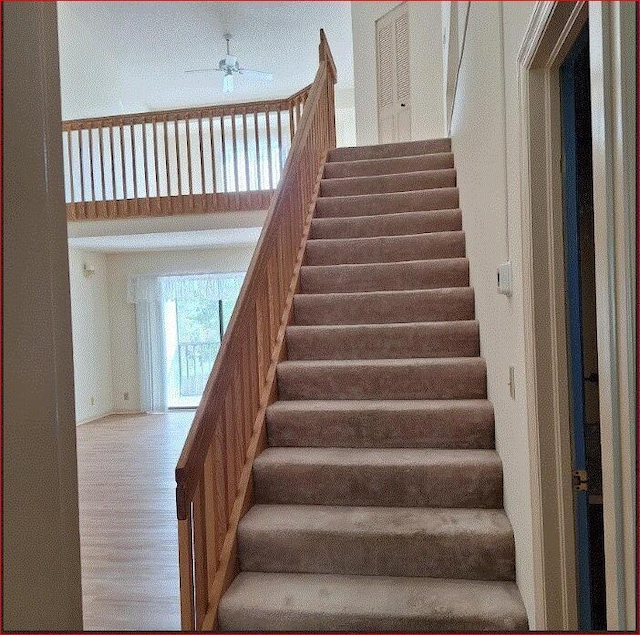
(552, 31)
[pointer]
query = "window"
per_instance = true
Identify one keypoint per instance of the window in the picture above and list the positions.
(180, 321)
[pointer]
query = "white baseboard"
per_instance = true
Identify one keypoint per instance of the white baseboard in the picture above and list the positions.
(109, 414)
(96, 418)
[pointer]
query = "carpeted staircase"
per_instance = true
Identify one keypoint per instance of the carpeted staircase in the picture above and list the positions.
(379, 500)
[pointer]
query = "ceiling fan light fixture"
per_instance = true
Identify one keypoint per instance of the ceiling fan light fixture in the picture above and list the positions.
(227, 82)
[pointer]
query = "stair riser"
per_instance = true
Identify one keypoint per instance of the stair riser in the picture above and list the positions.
(453, 486)
(373, 308)
(434, 274)
(385, 249)
(458, 339)
(387, 225)
(457, 556)
(373, 204)
(376, 167)
(458, 427)
(388, 150)
(385, 184)
(446, 380)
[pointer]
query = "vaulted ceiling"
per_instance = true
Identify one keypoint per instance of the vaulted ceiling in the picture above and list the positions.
(122, 57)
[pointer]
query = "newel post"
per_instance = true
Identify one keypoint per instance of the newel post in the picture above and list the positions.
(324, 54)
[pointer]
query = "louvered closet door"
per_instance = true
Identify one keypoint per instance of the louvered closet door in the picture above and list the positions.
(392, 51)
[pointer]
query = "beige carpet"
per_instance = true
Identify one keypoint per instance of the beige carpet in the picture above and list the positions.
(379, 499)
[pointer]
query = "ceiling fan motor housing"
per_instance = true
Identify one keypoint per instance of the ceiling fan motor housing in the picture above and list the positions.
(229, 63)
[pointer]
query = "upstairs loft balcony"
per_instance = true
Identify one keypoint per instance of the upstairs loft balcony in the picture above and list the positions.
(164, 163)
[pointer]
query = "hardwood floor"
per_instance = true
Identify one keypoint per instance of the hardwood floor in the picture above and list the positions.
(128, 529)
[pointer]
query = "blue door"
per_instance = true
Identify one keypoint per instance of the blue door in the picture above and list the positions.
(573, 80)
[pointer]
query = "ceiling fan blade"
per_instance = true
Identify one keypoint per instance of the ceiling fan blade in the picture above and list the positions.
(202, 70)
(256, 74)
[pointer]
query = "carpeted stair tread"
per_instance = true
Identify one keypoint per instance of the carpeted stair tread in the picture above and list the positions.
(382, 307)
(396, 224)
(386, 477)
(386, 183)
(394, 202)
(378, 501)
(330, 602)
(384, 341)
(435, 245)
(390, 150)
(425, 378)
(385, 276)
(456, 423)
(413, 541)
(389, 165)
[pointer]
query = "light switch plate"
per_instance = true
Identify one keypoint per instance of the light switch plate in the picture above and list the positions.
(505, 280)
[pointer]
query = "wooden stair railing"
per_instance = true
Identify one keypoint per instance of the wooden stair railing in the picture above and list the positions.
(213, 475)
(194, 160)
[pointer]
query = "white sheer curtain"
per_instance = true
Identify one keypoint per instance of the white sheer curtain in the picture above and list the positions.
(151, 348)
(150, 294)
(216, 286)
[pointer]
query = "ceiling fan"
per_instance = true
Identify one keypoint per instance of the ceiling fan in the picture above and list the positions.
(229, 66)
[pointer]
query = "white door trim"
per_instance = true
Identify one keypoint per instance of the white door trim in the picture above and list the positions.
(552, 30)
(614, 214)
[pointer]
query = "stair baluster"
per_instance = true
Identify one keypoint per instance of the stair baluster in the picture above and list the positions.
(213, 474)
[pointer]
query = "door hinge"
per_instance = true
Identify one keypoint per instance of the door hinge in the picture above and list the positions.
(580, 480)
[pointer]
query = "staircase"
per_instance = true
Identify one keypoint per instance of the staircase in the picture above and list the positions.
(379, 498)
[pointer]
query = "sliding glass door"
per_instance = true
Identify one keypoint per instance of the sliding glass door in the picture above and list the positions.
(181, 320)
(193, 331)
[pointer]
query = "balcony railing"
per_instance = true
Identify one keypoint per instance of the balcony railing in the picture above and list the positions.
(196, 160)
(195, 360)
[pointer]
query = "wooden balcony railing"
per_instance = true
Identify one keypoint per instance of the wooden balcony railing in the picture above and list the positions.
(213, 475)
(193, 160)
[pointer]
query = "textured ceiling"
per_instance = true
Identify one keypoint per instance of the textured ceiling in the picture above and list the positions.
(121, 57)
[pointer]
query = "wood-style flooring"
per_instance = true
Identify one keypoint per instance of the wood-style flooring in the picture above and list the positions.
(128, 530)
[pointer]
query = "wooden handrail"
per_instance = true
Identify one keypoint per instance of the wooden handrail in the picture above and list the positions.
(325, 55)
(204, 159)
(184, 113)
(213, 474)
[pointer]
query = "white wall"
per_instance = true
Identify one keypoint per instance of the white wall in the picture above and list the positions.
(345, 127)
(425, 39)
(485, 139)
(120, 267)
(425, 53)
(91, 336)
(40, 537)
(345, 117)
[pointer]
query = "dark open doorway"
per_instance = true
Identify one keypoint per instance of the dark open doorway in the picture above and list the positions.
(582, 332)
